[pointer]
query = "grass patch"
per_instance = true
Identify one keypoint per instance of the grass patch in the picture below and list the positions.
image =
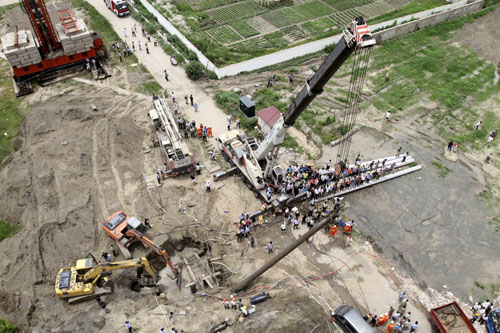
(413, 7)
(7, 230)
(442, 170)
(151, 87)
(480, 285)
(11, 112)
(429, 64)
(229, 101)
(3, 9)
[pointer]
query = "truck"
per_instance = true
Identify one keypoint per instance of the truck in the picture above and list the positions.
(450, 318)
(119, 7)
(178, 156)
(255, 160)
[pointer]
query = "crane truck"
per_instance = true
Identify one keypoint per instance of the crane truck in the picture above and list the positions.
(256, 161)
(178, 156)
(126, 230)
(89, 279)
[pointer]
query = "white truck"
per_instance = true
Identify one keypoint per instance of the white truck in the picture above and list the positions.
(178, 156)
(119, 7)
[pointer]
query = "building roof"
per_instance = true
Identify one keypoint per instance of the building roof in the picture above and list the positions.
(270, 115)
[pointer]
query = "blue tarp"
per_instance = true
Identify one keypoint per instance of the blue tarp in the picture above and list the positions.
(494, 321)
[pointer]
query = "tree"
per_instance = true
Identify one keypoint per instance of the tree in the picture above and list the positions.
(194, 70)
(6, 327)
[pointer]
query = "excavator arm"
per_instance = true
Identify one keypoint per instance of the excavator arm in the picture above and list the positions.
(96, 271)
(152, 245)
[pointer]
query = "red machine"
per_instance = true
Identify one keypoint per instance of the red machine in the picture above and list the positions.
(54, 58)
(119, 7)
(450, 318)
(126, 230)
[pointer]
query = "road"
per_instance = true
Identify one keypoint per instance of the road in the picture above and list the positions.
(156, 62)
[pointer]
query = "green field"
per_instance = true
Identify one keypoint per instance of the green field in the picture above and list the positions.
(230, 31)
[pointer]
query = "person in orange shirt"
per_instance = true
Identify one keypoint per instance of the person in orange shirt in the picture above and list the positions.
(347, 229)
(390, 327)
(382, 319)
(333, 231)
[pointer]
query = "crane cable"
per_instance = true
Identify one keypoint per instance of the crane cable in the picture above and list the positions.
(356, 84)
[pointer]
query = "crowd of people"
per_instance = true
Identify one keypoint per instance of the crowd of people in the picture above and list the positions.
(326, 181)
(480, 312)
(397, 321)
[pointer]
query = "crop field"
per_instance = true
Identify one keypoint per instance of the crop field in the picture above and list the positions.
(230, 31)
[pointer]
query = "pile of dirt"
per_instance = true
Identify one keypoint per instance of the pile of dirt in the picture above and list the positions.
(74, 168)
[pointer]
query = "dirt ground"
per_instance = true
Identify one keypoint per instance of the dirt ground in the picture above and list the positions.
(486, 43)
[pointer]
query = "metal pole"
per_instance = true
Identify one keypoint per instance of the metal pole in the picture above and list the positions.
(242, 285)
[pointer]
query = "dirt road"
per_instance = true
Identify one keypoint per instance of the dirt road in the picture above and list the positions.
(156, 62)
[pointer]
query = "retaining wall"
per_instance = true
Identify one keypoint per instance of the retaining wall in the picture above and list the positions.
(173, 31)
(423, 22)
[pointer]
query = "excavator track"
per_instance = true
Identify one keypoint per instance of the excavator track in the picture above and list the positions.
(97, 292)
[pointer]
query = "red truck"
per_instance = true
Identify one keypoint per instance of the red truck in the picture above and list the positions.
(450, 318)
(119, 7)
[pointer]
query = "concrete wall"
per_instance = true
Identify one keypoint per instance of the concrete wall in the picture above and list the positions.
(173, 31)
(424, 22)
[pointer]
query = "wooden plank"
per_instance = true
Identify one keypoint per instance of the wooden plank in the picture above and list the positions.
(190, 271)
(206, 279)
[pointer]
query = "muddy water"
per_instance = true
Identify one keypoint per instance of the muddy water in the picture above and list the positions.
(435, 228)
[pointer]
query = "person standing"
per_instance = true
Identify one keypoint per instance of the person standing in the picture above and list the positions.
(120, 56)
(333, 231)
(387, 115)
(128, 326)
(139, 45)
(252, 242)
(147, 49)
(191, 99)
(478, 124)
(165, 73)
(488, 158)
(270, 247)
(348, 241)
(450, 145)
(414, 327)
(198, 168)
(158, 178)
(229, 125)
(112, 250)
(125, 32)
(283, 227)
(207, 186)
(290, 78)
(195, 107)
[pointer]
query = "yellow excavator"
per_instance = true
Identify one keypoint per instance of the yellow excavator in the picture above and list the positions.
(89, 278)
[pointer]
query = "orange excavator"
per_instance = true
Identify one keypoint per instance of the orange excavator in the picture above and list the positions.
(126, 230)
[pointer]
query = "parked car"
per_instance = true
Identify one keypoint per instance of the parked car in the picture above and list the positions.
(350, 321)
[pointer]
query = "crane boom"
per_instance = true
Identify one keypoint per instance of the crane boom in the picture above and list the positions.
(357, 35)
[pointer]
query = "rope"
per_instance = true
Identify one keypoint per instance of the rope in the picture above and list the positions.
(351, 110)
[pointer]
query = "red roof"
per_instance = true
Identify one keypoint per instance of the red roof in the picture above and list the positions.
(270, 115)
